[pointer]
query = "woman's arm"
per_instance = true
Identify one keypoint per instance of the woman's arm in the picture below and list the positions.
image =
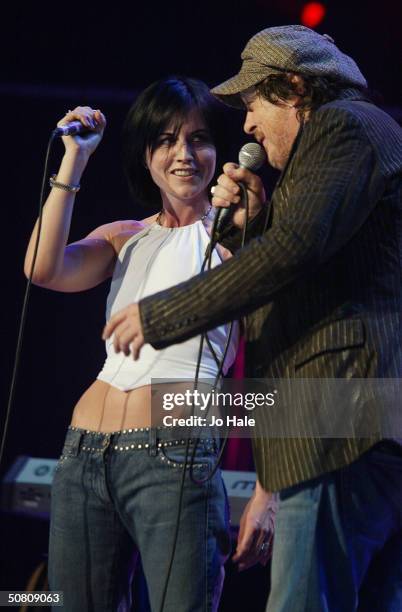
(86, 263)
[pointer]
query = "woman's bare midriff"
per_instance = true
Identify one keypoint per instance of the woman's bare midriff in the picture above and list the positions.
(105, 408)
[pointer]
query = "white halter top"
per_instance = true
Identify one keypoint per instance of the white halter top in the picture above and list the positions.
(152, 260)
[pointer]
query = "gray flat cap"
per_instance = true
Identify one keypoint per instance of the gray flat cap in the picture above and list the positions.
(292, 48)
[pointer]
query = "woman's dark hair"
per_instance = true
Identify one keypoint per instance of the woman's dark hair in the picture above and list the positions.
(165, 102)
(316, 90)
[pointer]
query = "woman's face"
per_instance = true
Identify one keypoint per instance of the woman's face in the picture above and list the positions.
(183, 165)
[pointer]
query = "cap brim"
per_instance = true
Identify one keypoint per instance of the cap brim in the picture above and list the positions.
(230, 91)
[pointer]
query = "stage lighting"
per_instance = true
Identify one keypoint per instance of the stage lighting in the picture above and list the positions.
(312, 14)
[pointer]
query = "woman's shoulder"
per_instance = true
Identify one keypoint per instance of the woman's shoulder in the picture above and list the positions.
(117, 233)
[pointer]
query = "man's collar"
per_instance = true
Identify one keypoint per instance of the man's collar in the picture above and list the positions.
(291, 154)
(352, 93)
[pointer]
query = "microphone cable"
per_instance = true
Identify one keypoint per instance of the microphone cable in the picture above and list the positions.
(25, 303)
(243, 241)
(214, 239)
(220, 363)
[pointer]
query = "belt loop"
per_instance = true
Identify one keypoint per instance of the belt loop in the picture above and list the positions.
(153, 449)
(106, 442)
(73, 443)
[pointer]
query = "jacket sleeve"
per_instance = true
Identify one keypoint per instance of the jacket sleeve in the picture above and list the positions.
(333, 185)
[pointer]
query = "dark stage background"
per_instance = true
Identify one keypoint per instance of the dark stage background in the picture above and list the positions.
(54, 59)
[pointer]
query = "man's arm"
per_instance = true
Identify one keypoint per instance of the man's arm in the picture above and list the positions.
(334, 185)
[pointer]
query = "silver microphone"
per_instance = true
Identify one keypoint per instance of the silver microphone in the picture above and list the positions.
(70, 129)
(251, 156)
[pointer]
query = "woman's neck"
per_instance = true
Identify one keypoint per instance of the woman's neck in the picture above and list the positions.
(177, 213)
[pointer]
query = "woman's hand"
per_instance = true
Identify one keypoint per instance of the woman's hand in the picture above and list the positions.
(127, 329)
(227, 192)
(93, 120)
(255, 539)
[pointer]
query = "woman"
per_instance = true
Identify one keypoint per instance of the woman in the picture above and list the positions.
(115, 491)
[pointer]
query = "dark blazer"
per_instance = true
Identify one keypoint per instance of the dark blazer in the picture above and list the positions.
(321, 288)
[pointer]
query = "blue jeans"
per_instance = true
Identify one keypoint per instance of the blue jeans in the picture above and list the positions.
(115, 495)
(338, 539)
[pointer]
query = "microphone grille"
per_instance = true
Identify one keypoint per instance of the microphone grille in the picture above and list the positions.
(252, 156)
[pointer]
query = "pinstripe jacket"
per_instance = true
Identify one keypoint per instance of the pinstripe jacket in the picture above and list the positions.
(321, 289)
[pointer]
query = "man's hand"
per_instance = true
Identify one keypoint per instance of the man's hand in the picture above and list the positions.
(255, 539)
(127, 329)
(227, 192)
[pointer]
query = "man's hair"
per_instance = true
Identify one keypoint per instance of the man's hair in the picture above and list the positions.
(166, 102)
(317, 90)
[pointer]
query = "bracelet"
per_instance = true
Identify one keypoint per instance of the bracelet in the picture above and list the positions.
(64, 186)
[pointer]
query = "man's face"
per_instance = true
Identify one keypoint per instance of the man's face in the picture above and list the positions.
(274, 126)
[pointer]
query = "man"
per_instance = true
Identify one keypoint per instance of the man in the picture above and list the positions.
(322, 294)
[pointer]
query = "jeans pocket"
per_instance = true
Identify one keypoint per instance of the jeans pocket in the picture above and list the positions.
(174, 456)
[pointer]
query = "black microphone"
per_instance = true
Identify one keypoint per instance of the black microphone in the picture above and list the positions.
(251, 156)
(70, 129)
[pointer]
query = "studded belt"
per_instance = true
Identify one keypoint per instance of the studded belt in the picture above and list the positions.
(92, 441)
